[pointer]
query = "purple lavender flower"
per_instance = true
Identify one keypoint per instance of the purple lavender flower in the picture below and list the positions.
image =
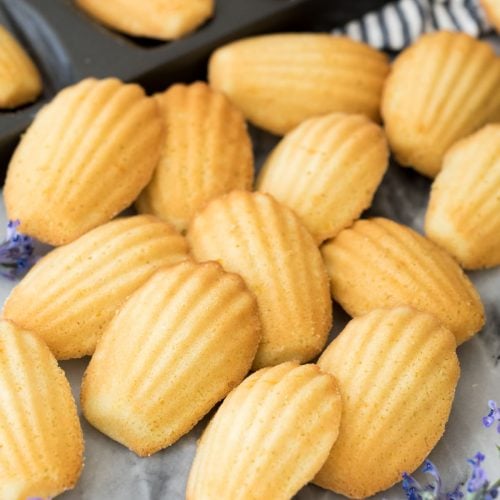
(478, 477)
(478, 485)
(433, 490)
(16, 252)
(411, 487)
(430, 468)
(493, 415)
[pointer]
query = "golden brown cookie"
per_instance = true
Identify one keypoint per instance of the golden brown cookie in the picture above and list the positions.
(327, 170)
(464, 209)
(85, 158)
(176, 347)
(492, 9)
(270, 436)
(41, 451)
(162, 19)
(442, 88)
(281, 80)
(20, 81)
(206, 153)
(264, 242)
(379, 263)
(397, 371)
(70, 296)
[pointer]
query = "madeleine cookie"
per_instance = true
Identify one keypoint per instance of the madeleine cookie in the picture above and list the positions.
(397, 371)
(162, 19)
(280, 80)
(440, 89)
(379, 263)
(175, 348)
(41, 450)
(464, 209)
(270, 436)
(264, 242)
(85, 158)
(327, 170)
(71, 295)
(207, 152)
(20, 82)
(492, 9)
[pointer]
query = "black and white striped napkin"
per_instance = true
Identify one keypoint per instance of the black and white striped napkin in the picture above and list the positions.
(399, 23)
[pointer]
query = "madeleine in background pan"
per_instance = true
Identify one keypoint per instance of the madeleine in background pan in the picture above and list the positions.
(162, 19)
(69, 297)
(492, 8)
(253, 235)
(281, 80)
(327, 170)
(41, 451)
(176, 347)
(206, 152)
(464, 208)
(85, 158)
(397, 372)
(20, 81)
(441, 89)
(269, 437)
(379, 263)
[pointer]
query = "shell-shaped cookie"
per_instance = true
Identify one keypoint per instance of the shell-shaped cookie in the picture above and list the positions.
(464, 209)
(492, 8)
(270, 436)
(20, 81)
(327, 170)
(397, 371)
(278, 81)
(85, 158)
(207, 152)
(379, 263)
(440, 89)
(264, 242)
(70, 296)
(41, 452)
(175, 348)
(161, 19)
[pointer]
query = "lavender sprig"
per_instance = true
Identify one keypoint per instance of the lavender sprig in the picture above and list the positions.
(478, 486)
(431, 491)
(16, 252)
(493, 415)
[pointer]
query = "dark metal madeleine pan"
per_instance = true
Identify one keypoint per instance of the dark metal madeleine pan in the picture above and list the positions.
(68, 45)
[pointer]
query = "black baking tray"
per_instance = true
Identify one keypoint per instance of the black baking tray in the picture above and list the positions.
(68, 45)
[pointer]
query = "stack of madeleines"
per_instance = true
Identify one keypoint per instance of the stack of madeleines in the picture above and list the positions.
(211, 280)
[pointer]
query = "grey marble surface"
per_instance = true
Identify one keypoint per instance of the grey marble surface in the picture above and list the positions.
(113, 473)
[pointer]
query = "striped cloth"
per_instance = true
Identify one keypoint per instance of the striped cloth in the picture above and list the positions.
(399, 23)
